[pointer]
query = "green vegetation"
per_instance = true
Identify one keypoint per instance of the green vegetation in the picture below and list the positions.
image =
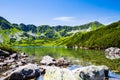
(8, 48)
(21, 31)
(101, 38)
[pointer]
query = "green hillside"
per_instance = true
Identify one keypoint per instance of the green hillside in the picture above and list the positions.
(101, 38)
(22, 33)
(4, 24)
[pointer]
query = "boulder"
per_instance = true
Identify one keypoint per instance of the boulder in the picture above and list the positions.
(112, 53)
(91, 73)
(16, 76)
(47, 60)
(113, 50)
(26, 72)
(56, 73)
(62, 62)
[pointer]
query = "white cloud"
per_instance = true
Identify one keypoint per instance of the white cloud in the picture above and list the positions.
(66, 19)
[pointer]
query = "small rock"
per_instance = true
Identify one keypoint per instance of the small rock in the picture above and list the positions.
(9, 61)
(3, 64)
(46, 60)
(4, 53)
(14, 55)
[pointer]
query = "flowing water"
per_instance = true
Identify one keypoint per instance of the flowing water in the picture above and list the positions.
(76, 56)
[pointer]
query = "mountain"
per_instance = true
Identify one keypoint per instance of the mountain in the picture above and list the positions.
(4, 24)
(15, 32)
(94, 24)
(103, 37)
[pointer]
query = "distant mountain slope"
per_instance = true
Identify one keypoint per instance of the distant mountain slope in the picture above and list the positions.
(4, 24)
(94, 24)
(17, 32)
(101, 38)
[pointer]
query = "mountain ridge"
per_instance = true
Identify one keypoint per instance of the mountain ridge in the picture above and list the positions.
(43, 31)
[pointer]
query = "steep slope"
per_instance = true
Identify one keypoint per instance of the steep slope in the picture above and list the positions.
(91, 25)
(101, 38)
(8, 32)
(4, 24)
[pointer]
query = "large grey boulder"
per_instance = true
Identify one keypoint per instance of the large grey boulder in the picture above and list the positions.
(26, 72)
(91, 73)
(57, 73)
(112, 53)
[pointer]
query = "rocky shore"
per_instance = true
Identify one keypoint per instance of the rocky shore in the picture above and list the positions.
(18, 66)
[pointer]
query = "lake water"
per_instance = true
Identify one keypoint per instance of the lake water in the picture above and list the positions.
(78, 57)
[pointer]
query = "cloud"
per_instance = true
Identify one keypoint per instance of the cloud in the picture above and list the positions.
(65, 19)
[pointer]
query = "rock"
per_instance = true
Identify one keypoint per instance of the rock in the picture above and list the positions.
(23, 55)
(112, 53)
(3, 64)
(62, 62)
(16, 76)
(26, 72)
(7, 73)
(14, 55)
(19, 63)
(91, 73)
(56, 73)
(47, 60)
(4, 53)
(9, 61)
(14, 66)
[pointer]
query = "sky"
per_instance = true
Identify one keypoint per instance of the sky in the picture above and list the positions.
(60, 12)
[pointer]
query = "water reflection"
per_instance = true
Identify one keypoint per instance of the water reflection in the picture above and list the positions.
(112, 56)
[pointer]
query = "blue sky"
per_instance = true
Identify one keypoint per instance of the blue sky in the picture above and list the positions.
(60, 12)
